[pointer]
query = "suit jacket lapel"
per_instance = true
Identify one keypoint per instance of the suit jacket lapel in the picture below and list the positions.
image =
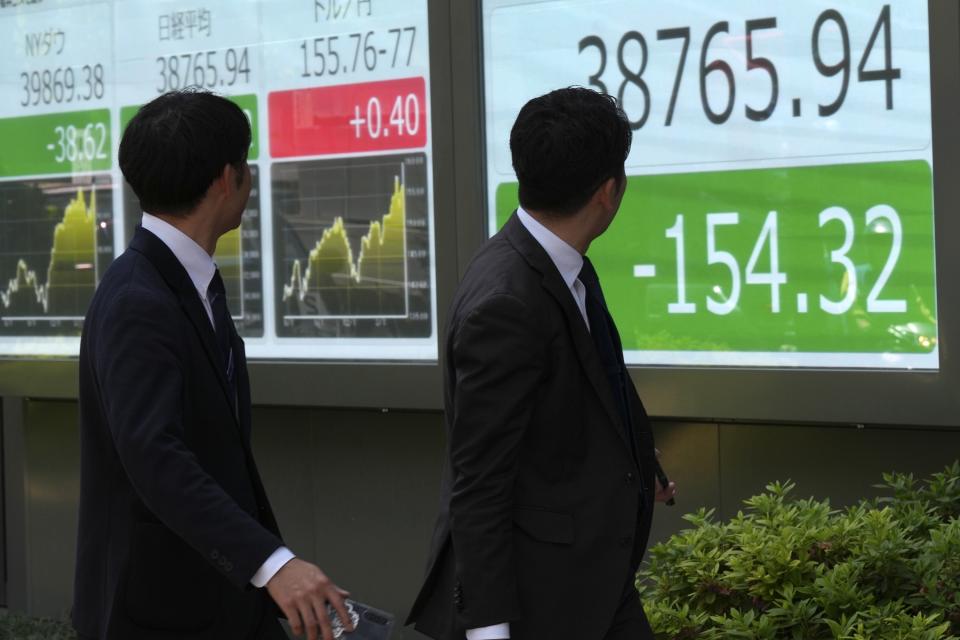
(537, 257)
(243, 382)
(177, 278)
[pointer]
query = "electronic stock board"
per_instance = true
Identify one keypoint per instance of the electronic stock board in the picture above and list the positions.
(779, 207)
(335, 255)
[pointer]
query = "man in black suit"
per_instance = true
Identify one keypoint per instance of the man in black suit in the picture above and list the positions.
(177, 538)
(548, 488)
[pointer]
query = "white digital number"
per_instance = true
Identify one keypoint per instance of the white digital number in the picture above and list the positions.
(874, 215)
(681, 305)
(775, 278)
(61, 143)
(839, 256)
(714, 256)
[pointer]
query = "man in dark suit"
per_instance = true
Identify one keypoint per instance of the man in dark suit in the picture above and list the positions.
(177, 538)
(548, 488)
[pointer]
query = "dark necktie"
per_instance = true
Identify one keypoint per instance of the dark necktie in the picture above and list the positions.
(603, 332)
(217, 295)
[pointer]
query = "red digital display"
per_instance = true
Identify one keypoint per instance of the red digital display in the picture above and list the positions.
(349, 118)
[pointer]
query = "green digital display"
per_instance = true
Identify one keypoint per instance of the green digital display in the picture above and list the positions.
(779, 203)
(831, 270)
(74, 141)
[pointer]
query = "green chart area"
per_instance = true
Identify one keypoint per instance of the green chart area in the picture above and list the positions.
(376, 279)
(55, 242)
(352, 247)
(828, 259)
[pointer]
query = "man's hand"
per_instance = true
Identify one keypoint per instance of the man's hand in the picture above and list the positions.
(663, 494)
(302, 592)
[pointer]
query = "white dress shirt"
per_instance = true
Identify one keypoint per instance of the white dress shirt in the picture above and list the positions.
(201, 267)
(569, 262)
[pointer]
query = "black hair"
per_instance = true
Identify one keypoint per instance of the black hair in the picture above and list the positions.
(178, 144)
(565, 145)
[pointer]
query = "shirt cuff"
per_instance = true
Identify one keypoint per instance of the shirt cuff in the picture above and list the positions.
(269, 568)
(493, 632)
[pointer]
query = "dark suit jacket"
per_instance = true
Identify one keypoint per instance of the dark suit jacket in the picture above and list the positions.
(174, 521)
(544, 511)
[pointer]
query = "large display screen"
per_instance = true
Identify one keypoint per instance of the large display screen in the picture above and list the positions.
(779, 208)
(335, 255)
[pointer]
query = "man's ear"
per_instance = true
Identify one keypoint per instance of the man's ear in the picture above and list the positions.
(239, 171)
(607, 193)
(224, 183)
(228, 178)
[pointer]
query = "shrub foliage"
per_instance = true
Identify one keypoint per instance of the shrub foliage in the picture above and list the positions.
(15, 626)
(785, 568)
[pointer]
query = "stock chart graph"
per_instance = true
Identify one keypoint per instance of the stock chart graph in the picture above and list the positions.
(56, 240)
(351, 245)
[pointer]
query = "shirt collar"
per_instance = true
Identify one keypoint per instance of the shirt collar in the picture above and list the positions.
(568, 260)
(198, 263)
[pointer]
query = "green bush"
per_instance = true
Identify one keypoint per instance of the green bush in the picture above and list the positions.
(784, 568)
(14, 626)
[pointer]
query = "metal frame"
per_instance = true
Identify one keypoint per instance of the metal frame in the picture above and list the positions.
(401, 385)
(788, 395)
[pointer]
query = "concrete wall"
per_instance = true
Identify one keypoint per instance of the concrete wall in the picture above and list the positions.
(356, 491)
